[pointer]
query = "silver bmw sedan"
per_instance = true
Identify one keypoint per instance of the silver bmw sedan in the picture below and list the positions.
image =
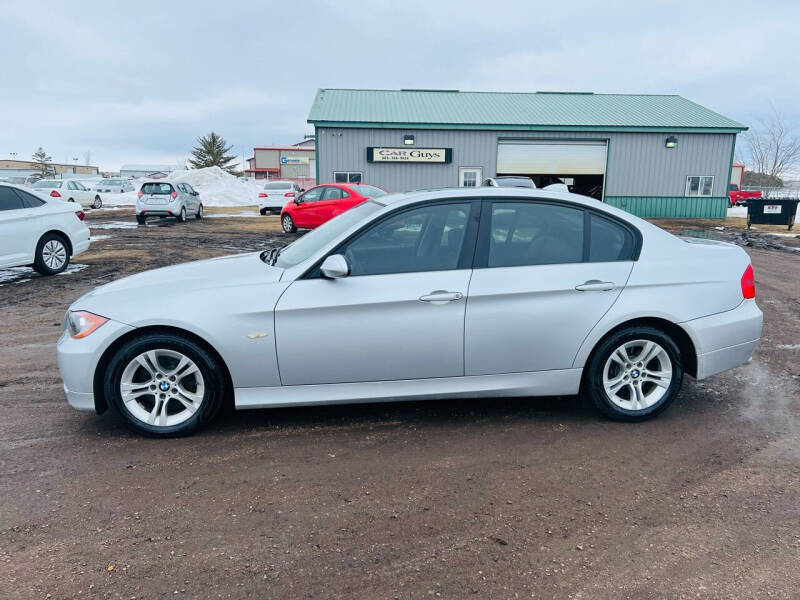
(481, 292)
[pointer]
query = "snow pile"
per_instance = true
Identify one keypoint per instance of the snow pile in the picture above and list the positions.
(216, 187)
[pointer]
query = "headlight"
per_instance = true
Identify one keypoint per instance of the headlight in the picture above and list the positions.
(79, 324)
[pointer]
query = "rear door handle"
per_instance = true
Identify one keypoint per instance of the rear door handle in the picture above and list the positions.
(595, 285)
(441, 296)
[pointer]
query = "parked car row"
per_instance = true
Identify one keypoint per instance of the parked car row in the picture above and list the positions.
(69, 190)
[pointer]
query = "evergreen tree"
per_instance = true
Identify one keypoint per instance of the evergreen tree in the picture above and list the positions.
(212, 151)
(42, 160)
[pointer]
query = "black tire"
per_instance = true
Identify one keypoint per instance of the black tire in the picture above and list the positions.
(71, 200)
(199, 214)
(141, 219)
(207, 364)
(44, 249)
(98, 203)
(182, 215)
(594, 389)
(263, 211)
(288, 223)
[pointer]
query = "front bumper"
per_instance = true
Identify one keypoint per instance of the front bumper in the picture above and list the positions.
(77, 362)
(725, 340)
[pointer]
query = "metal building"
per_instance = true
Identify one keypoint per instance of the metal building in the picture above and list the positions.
(655, 156)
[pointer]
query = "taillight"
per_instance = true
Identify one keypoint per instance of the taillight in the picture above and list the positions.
(289, 194)
(748, 283)
(174, 194)
(263, 195)
(55, 194)
(139, 194)
(80, 214)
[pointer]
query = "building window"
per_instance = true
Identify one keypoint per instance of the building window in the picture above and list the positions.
(699, 185)
(347, 176)
(469, 176)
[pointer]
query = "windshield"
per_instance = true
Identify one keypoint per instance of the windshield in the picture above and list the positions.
(278, 186)
(301, 249)
(47, 184)
(111, 182)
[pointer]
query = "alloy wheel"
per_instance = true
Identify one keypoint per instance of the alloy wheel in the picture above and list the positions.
(162, 387)
(637, 375)
(287, 223)
(54, 254)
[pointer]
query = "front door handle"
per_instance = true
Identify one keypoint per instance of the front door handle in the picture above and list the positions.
(441, 296)
(595, 285)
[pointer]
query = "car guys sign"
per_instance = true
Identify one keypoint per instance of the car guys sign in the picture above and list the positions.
(415, 155)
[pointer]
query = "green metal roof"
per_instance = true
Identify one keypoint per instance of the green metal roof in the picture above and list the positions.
(452, 109)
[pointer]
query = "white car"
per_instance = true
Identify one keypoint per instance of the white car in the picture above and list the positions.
(113, 186)
(69, 190)
(473, 292)
(275, 196)
(39, 232)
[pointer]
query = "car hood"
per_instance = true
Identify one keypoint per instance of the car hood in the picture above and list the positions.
(185, 279)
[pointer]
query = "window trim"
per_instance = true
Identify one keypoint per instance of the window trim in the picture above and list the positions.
(465, 259)
(348, 173)
(699, 186)
(478, 179)
(481, 259)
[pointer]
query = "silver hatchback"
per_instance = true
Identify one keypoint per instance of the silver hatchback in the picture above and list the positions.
(167, 199)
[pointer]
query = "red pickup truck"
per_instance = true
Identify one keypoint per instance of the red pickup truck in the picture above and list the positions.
(737, 197)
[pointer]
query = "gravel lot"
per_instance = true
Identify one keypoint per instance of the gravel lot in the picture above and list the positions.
(523, 498)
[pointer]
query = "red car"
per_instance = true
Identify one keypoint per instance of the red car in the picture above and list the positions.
(314, 207)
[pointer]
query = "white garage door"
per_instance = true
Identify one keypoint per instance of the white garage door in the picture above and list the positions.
(541, 157)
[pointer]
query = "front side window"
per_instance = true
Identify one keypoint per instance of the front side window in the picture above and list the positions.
(529, 233)
(699, 185)
(347, 177)
(428, 238)
(9, 200)
(313, 195)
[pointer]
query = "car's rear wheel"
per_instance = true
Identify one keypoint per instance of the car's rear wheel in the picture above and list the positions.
(182, 215)
(288, 223)
(164, 385)
(199, 214)
(634, 374)
(98, 203)
(263, 211)
(141, 219)
(52, 255)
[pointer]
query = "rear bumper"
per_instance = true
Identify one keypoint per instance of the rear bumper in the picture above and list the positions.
(725, 340)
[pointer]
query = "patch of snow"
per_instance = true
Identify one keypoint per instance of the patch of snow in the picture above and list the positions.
(247, 213)
(97, 238)
(788, 346)
(23, 274)
(114, 225)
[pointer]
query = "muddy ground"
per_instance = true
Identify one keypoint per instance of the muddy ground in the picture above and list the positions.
(523, 498)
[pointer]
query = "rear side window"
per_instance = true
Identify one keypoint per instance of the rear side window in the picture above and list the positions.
(157, 188)
(609, 241)
(9, 200)
(332, 193)
(30, 200)
(528, 233)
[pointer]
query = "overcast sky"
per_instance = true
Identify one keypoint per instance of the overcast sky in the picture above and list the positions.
(139, 81)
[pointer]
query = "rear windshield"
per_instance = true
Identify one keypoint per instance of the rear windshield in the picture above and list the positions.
(157, 188)
(278, 186)
(47, 184)
(369, 191)
(514, 182)
(111, 182)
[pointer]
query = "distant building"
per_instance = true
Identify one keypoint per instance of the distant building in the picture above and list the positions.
(156, 171)
(296, 163)
(737, 173)
(10, 168)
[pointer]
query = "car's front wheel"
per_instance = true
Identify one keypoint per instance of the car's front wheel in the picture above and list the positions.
(98, 203)
(164, 385)
(52, 255)
(199, 214)
(634, 374)
(288, 223)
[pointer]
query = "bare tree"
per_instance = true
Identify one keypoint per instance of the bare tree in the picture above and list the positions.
(774, 146)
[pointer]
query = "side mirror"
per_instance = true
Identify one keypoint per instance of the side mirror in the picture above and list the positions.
(298, 200)
(335, 267)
